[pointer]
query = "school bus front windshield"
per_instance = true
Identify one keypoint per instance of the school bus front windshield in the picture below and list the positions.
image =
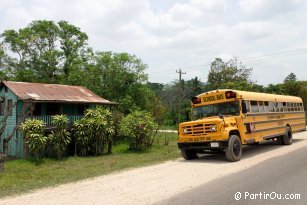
(227, 108)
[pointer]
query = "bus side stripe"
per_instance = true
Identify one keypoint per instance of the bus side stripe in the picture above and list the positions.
(267, 129)
(286, 119)
(273, 113)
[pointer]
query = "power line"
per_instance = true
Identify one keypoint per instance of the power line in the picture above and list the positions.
(296, 51)
(267, 56)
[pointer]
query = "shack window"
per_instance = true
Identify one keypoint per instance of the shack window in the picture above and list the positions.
(37, 109)
(53, 109)
(82, 108)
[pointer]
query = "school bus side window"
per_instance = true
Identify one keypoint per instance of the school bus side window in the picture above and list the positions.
(292, 106)
(298, 108)
(271, 105)
(284, 104)
(254, 105)
(247, 105)
(289, 107)
(261, 109)
(266, 106)
(280, 107)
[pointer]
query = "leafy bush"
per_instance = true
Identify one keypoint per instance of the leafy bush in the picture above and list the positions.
(94, 131)
(59, 137)
(35, 138)
(138, 127)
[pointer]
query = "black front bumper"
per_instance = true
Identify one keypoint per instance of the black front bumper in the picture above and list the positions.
(201, 145)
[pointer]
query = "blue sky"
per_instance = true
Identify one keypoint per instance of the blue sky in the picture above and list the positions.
(268, 35)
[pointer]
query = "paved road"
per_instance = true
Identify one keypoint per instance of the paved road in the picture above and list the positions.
(265, 183)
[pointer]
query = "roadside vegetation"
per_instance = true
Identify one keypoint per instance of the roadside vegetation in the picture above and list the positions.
(26, 175)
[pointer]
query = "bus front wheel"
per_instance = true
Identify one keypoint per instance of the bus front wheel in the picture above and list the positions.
(234, 150)
(189, 154)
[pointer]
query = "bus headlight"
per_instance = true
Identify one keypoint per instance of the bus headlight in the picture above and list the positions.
(185, 130)
(213, 128)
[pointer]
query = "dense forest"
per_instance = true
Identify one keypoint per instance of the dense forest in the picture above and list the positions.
(50, 52)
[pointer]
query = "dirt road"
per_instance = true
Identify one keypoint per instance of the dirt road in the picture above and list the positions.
(154, 183)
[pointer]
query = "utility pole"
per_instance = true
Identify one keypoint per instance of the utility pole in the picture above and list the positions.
(179, 103)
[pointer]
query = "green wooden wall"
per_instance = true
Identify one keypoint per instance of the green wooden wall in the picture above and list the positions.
(16, 144)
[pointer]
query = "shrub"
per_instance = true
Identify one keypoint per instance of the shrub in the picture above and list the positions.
(35, 138)
(94, 131)
(138, 127)
(59, 137)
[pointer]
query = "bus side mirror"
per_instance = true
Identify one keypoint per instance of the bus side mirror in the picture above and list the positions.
(221, 116)
(244, 109)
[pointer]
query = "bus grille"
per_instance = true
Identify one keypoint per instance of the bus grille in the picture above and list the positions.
(198, 129)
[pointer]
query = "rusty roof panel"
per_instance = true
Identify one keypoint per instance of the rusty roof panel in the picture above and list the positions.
(54, 93)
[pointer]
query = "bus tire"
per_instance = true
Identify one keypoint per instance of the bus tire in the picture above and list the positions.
(188, 154)
(287, 137)
(234, 150)
(280, 140)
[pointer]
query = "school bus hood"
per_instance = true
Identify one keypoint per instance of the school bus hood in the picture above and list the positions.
(212, 119)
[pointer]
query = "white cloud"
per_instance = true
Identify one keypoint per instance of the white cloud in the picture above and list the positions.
(264, 9)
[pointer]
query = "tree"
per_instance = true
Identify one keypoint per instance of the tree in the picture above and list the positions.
(74, 52)
(293, 88)
(224, 72)
(290, 77)
(275, 89)
(2, 64)
(127, 87)
(44, 51)
(35, 46)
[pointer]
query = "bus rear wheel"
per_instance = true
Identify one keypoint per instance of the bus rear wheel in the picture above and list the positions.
(234, 150)
(287, 137)
(189, 154)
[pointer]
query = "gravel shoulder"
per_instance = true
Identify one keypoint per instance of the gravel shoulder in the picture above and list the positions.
(151, 184)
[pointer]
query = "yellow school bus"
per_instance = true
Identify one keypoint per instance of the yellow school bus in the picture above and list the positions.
(224, 120)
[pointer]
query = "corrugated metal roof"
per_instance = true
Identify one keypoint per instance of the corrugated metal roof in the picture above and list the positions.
(54, 93)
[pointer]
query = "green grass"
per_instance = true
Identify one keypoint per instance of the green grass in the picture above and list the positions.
(25, 175)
